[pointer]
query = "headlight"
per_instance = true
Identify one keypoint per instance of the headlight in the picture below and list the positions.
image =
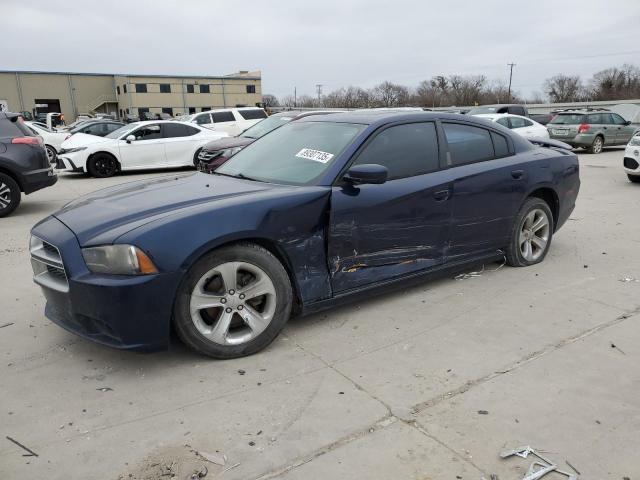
(230, 152)
(118, 260)
(72, 150)
(635, 141)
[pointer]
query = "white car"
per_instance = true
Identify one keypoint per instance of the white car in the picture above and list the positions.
(524, 126)
(136, 146)
(234, 121)
(632, 159)
(52, 139)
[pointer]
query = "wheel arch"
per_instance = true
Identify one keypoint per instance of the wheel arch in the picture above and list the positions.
(14, 176)
(550, 196)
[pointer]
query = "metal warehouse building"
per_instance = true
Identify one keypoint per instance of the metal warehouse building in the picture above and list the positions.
(81, 93)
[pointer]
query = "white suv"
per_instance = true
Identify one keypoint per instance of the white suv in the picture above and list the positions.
(230, 120)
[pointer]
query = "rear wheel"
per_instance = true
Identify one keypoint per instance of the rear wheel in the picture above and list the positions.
(102, 165)
(633, 178)
(9, 195)
(52, 155)
(196, 160)
(531, 234)
(233, 302)
(596, 146)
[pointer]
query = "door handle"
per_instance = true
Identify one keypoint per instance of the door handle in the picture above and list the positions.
(517, 174)
(441, 195)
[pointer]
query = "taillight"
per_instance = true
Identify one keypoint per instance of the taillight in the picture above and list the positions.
(583, 128)
(35, 140)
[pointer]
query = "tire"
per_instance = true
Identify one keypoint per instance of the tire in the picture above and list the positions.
(533, 210)
(196, 161)
(633, 178)
(9, 195)
(216, 320)
(596, 146)
(102, 165)
(52, 155)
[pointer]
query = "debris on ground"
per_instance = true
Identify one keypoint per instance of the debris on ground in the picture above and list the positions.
(26, 449)
(105, 389)
(6, 325)
(537, 469)
(613, 345)
(200, 473)
(572, 467)
(628, 279)
(483, 412)
(478, 273)
(216, 457)
(241, 372)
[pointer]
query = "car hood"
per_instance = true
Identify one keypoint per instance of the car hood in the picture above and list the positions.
(230, 142)
(103, 216)
(83, 140)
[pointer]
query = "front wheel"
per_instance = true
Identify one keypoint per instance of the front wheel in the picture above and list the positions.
(52, 155)
(596, 146)
(102, 165)
(531, 234)
(233, 302)
(9, 195)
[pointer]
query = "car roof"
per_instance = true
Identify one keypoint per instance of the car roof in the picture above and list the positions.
(370, 117)
(495, 116)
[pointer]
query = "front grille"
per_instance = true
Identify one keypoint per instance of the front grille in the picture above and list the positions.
(208, 154)
(630, 163)
(48, 268)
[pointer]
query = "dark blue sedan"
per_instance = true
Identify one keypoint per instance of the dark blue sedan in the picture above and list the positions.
(312, 214)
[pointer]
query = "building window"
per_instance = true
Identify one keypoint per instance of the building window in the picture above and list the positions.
(206, 109)
(124, 88)
(165, 88)
(121, 115)
(141, 88)
(192, 110)
(251, 89)
(118, 90)
(189, 88)
(168, 110)
(127, 111)
(204, 88)
(142, 111)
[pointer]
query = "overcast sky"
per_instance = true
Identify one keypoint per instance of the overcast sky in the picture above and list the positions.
(332, 42)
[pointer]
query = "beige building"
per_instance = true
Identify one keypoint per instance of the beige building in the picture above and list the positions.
(83, 93)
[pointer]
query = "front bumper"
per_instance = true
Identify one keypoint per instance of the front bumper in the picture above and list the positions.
(71, 162)
(38, 179)
(125, 312)
(631, 161)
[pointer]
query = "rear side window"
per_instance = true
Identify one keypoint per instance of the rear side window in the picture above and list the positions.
(203, 119)
(467, 144)
(9, 129)
(504, 122)
(595, 118)
(221, 117)
(568, 119)
(172, 130)
(252, 114)
(406, 150)
(500, 145)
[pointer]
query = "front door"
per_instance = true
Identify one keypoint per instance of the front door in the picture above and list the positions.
(378, 232)
(146, 151)
(624, 131)
(488, 186)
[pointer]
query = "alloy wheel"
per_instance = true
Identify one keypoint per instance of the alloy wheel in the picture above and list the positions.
(105, 166)
(597, 145)
(51, 154)
(534, 235)
(5, 195)
(233, 303)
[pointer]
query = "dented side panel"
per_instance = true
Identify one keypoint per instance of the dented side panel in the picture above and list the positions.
(378, 232)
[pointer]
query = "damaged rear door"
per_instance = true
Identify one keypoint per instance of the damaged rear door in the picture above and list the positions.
(378, 232)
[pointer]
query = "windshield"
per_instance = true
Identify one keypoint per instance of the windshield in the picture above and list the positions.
(295, 154)
(568, 119)
(265, 126)
(122, 130)
(41, 127)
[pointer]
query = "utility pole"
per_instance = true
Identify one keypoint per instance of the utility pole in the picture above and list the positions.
(319, 90)
(295, 97)
(511, 65)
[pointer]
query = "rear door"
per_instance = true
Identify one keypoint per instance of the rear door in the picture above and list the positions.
(225, 121)
(249, 117)
(146, 151)
(488, 185)
(204, 120)
(599, 122)
(179, 143)
(378, 232)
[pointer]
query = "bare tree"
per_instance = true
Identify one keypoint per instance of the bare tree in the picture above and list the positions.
(617, 83)
(389, 94)
(564, 88)
(269, 100)
(288, 101)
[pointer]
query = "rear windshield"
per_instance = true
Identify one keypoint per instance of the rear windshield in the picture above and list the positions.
(568, 119)
(14, 127)
(484, 110)
(253, 114)
(265, 126)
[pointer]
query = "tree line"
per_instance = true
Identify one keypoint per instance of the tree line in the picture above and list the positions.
(615, 83)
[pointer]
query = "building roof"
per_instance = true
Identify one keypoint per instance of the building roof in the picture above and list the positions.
(255, 75)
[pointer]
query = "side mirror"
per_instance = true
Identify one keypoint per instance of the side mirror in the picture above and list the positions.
(130, 138)
(627, 122)
(366, 173)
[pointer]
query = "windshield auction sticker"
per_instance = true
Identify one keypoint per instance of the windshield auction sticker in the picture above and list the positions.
(315, 155)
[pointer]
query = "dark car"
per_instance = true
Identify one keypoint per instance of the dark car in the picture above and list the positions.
(217, 152)
(99, 128)
(316, 212)
(131, 118)
(24, 165)
(512, 108)
(542, 118)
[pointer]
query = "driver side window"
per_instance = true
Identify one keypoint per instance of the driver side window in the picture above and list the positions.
(148, 132)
